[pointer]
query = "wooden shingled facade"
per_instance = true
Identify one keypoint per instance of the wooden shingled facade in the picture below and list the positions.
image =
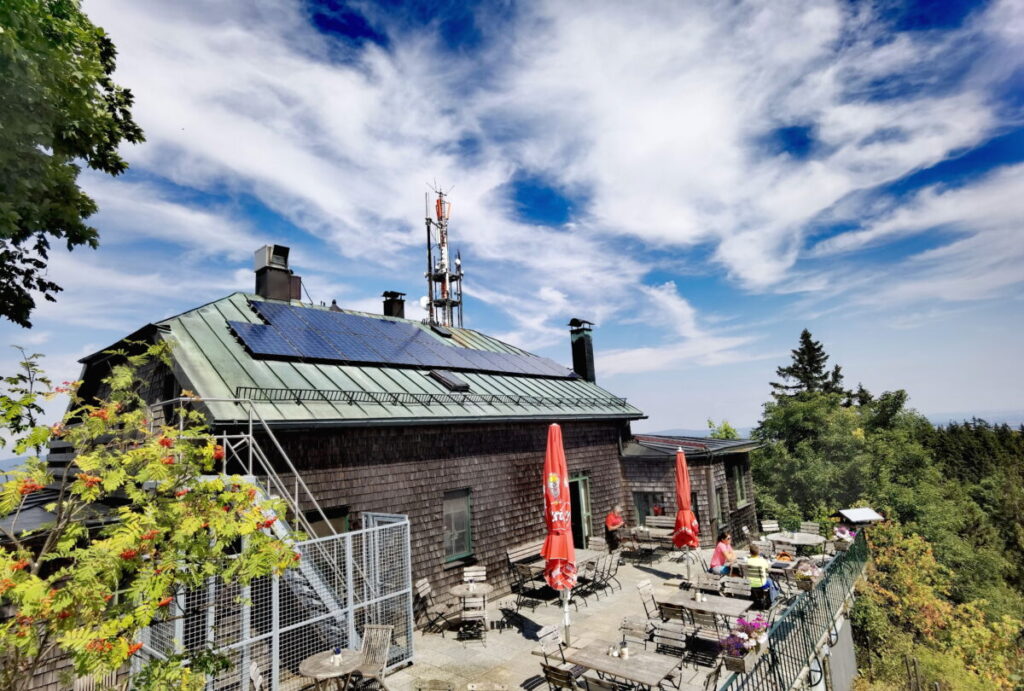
(407, 470)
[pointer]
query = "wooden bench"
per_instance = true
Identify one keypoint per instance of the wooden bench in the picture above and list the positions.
(526, 552)
(661, 522)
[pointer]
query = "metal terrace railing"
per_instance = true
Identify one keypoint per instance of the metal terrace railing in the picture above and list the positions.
(799, 633)
(427, 399)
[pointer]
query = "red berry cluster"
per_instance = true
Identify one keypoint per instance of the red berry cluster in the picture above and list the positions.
(269, 522)
(167, 460)
(29, 486)
(165, 442)
(218, 453)
(89, 480)
(101, 414)
(129, 554)
(19, 565)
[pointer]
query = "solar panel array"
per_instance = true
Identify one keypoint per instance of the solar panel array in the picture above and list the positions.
(302, 333)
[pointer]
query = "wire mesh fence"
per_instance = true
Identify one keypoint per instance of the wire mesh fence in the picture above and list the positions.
(267, 628)
(793, 639)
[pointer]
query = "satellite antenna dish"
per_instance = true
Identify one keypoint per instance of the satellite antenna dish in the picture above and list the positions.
(424, 302)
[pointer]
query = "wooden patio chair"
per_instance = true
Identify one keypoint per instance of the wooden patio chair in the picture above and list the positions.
(473, 618)
(636, 630)
(736, 587)
(810, 527)
(708, 582)
(373, 655)
(707, 627)
(768, 527)
(559, 678)
(647, 598)
(710, 682)
(765, 546)
(599, 684)
(671, 612)
(435, 615)
(551, 648)
(474, 574)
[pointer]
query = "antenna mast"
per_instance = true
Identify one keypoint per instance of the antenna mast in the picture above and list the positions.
(444, 280)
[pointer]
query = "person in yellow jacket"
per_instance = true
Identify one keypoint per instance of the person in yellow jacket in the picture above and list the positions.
(757, 574)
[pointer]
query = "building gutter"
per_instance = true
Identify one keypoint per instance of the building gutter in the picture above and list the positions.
(422, 422)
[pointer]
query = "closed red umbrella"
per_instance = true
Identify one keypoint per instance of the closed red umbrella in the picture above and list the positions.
(687, 532)
(558, 550)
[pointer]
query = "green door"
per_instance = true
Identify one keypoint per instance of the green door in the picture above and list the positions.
(579, 495)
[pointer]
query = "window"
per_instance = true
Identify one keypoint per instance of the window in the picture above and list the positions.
(720, 506)
(649, 504)
(337, 516)
(737, 476)
(458, 525)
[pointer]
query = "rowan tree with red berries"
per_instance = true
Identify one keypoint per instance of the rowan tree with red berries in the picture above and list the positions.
(140, 518)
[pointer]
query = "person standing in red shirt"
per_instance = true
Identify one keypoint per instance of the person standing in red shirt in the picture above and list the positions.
(613, 523)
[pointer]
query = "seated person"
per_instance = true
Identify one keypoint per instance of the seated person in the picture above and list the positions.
(723, 558)
(757, 575)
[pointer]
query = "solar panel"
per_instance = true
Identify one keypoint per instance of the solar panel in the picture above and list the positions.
(261, 339)
(315, 334)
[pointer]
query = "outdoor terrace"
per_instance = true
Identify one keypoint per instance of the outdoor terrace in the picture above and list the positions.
(510, 653)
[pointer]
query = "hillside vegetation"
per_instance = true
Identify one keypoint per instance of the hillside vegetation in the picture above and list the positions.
(946, 583)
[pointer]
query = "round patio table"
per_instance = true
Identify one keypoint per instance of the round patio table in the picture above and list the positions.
(320, 668)
(796, 538)
(464, 590)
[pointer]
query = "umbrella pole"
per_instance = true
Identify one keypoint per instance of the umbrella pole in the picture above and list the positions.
(565, 616)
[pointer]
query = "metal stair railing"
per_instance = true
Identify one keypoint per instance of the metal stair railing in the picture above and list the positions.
(243, 448)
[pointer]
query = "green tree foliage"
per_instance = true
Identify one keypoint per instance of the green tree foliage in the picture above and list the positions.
(139, 517)
(807, 373)
(58, 107)
(722, 431)
(954, 495)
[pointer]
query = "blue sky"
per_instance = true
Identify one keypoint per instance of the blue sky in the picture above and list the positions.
(702, 180)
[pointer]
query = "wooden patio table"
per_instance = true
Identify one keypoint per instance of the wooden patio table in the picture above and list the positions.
(641, 667)
(319, 667)
(464, 590)
(716, 604)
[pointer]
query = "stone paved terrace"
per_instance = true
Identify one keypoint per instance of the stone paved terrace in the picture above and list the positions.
(507, 657)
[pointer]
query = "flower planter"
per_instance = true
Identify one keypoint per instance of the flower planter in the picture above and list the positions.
(741, 665)
(842, 545)
(805, 584)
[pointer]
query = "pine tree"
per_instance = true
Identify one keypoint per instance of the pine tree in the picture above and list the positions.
(807, 373)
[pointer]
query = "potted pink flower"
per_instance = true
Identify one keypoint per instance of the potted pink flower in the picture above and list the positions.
(744, 643)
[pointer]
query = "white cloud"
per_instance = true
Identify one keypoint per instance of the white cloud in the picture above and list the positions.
(655, 114)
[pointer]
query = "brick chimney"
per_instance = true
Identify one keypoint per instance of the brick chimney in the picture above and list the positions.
(274, 280)
(582, 348)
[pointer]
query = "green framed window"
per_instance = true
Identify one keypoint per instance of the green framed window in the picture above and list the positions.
(739, 486)
(458, 524)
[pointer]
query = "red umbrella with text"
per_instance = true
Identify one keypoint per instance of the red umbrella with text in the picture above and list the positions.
(687, 532)
(558, 550)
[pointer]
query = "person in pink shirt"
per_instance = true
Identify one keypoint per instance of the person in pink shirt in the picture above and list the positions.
(723, 558)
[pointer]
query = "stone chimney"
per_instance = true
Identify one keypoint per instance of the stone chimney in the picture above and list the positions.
(274, 280)
(582, 348)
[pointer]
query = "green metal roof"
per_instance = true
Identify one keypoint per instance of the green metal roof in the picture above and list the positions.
(214, 364)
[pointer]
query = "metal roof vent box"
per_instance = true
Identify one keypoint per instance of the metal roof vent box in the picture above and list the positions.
(448, 380)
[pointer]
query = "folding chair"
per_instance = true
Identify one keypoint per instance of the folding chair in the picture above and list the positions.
(473, 618)
(708, 582)
(474, 574)
(768, 527)
(550, 638)
(647, 597)
(437, 616)
(373, 655)
(736, 587)
(810, 527)
(559, 678)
